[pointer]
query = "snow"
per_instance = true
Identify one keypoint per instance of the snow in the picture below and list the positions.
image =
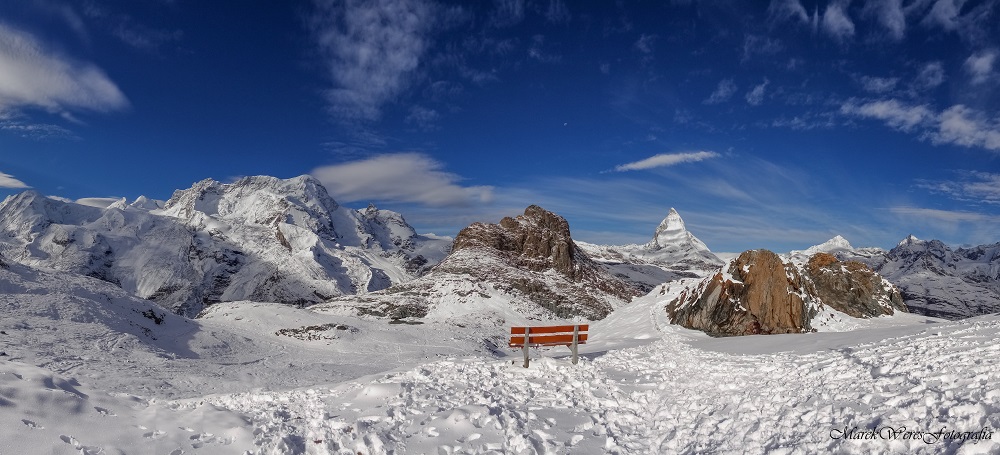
(85, 374)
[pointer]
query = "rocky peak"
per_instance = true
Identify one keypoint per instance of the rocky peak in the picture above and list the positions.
(537, 240)
(758, 293)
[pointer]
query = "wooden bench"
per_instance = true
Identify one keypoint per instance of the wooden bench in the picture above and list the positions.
(554, 335)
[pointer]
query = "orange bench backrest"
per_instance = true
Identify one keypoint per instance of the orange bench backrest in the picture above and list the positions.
(556, 335)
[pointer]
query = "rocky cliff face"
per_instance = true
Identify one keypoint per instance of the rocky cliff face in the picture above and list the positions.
(758, 293)
(524, 267)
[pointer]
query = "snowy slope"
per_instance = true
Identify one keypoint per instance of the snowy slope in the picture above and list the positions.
(672, 253)
(259, 238)
(268, 378)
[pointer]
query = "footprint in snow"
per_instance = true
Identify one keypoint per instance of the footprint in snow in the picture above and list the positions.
(157, 434)
(32, 425)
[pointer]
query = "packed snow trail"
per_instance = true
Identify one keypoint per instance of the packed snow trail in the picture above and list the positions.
(664, 397)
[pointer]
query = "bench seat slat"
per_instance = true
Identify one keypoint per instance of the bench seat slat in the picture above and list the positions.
(548, 329)
(548, 340)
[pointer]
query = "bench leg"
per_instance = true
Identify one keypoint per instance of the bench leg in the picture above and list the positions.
(527, 331)
(576, 337)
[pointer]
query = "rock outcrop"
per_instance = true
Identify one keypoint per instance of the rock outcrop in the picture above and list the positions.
(526, 266)
(758, 293)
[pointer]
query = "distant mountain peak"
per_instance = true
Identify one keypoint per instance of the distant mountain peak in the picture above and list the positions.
(909, 240)
(670, 231)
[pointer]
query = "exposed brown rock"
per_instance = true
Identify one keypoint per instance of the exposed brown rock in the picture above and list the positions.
(758, 293)
(852, 288)
(538, 241)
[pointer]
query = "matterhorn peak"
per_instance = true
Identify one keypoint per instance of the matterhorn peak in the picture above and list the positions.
(670, 230)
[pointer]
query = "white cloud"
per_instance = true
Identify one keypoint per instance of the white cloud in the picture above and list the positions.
(722, 93)
(964, 126)
(836, 22)
(371, 49)
(424, 118)
(974, 186)
(37, 131)
(665, 159)
(8, 181)
(756, 96)
(782, 10)
(944, 14)
(930, 76)
(980, 65)
(401, 177)
(873, 84)
(890, 15)
(895, 114)
(99, 202)
(959, 125)
(33, 76)
(950, 216)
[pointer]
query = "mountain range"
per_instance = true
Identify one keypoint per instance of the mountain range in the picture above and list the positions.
(288, 241)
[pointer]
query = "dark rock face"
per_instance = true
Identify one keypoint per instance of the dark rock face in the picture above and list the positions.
(758, 293)
(859, 292)
(537, 242)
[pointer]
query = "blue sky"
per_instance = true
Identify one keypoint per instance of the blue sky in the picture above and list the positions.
(766, 124)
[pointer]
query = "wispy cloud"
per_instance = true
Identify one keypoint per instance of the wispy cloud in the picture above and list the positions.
(371, 51)
(949, 216)
(34, 76)
(958, 124)
(980, 66)
(894, 113)
(873, 84)
(965, 126)
(783, 10)
(971, 186)
(423, 118)
(930, 76)
(666, 159)
(401, 177)
(836, 22)
(762, 45)
(8, 181)
(722, 93)
(507, 13)
(36, 131)
(557, 12)
(889, 14)
(756, 96)
(129, 30)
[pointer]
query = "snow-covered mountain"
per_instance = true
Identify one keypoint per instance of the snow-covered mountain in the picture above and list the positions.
(524, 268)
(672, 253)
(259, 238)
(933, 279)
